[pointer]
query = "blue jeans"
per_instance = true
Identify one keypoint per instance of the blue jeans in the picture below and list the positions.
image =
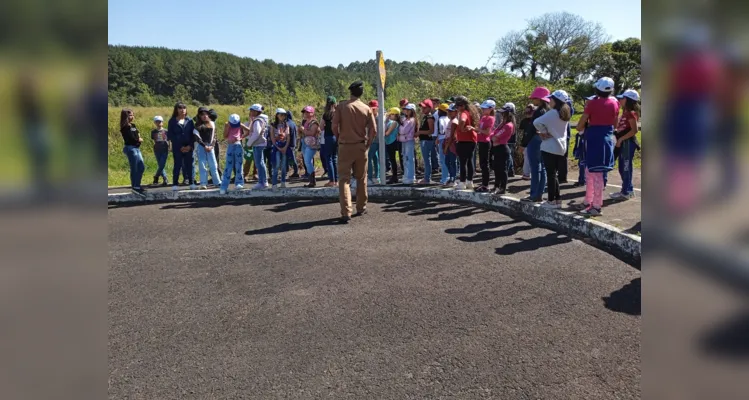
(409, 173)
(207, 163)
(309, 158)
(137, 167)
(234, 162)
(451, 159)
(183, 162)
(373, 161)
(433, 154)
(330, 157)
(280, 164)
(427, 147)
(161, 157)
(511, 161)
(443, 162)
(538, 171)
(626, 156)
(292, 161)
(262, 169)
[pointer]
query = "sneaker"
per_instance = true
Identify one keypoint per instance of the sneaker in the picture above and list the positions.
(295, 175)
(525, 178)
(500, 191)
(482, 189)
(370, 182)
(590, 211)
(258, 186)
(578, 184)
(305, 176)
(274, 188)
(527, 199)
(155, 181)
(238, 187)
(461, 186)
(193, 187)
(622, 196)
(175, 188)
(377, 181)
(139, 191)
(222, 191)
(551, 205)
(203, 187)
(324, 174)
(469, 185)
(424, 182)
(283, 184)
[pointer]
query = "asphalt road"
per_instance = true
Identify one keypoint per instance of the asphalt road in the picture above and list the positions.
(414, 300)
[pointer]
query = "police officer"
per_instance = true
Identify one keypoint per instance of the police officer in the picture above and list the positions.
(354, 127)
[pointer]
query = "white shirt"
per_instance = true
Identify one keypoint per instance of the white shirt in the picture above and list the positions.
(436, 116)
(551, 123)
(441, 126)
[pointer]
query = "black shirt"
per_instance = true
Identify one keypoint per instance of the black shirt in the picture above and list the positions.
(130, 135)
(425, 127)
(529, 130)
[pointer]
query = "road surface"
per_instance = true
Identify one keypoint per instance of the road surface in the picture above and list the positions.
(414, 300)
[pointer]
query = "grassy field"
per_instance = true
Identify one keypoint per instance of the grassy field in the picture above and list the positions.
(118, 166)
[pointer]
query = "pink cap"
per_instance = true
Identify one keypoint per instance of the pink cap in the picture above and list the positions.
(309, 109)
(540, 93)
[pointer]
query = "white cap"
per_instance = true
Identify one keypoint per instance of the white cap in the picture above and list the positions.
(630, 94)
(489, 104)
(591, 97)
(452, 107)
(158, 118)
(256, 107)
(561, 95)
(234, 119)
(605, 85)
(410, 106)
(508, 107)
(280, 111)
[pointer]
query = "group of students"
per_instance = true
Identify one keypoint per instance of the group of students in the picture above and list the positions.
(450, 136)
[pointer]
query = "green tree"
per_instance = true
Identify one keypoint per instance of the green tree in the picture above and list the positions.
(620, 61)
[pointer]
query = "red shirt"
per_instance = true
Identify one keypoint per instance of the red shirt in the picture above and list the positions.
(602, 111)
(624, 121)
(466, 136)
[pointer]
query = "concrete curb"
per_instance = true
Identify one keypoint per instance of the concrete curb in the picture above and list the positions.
(571, 223)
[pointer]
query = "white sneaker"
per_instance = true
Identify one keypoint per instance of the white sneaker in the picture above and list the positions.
(622, 196)
(469, 185)
(461, 186)
(550, 205)
(203, 187)
(175, 188)
(283, 184)
(222, 191)
(238, 187)
(377, 181)
(193, 187)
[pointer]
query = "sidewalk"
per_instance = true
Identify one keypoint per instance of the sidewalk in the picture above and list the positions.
(625, 215)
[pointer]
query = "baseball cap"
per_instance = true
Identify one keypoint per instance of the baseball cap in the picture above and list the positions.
(234, 120)
(452, 107)
(561, 95)
(410, 106)
(508, 107)
(280, 111)
(374, 103)
(605, 85)
(426, 103)
(331, 100)
(591, 97)
(489, 104)
(394, 111)
(403, 102)
(443, 107)
(158, 118)
(256, 107)
(630, 94)
(540, 93)
(309, 109)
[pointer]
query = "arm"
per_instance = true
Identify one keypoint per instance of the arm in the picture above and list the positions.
(209, 146)
(631, 133)
(581, 123)
(336, 124)
(390, 129)
(371, 128)
(226, 130)
(245, 131)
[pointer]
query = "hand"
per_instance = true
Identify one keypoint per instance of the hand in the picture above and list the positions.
(619, 143)
(208, 148)
(140, 139)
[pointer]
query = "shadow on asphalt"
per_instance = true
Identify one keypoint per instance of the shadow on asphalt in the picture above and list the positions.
(728, 339)
(551, 239)
(627, 300)
(296, 226)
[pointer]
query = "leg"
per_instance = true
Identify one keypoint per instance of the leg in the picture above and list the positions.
(626, 167)
(400, 156)
(589, 187)
(345, 164)
(246, 168)
(597, 190)
(392, 149)
(259, 158)
(484, 161)
(581, 174)
(285, 166)
(511, 161)
(471, 169)
(464, 157)
(534, 155)
(334, 159)
(176, 166)
(238, 165)
(226, 178)
(434, 157)
(360, 173)
(188, 166)
(551, 171)
(444, 173)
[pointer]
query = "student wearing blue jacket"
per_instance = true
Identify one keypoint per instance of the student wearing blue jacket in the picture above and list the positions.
(179, 132)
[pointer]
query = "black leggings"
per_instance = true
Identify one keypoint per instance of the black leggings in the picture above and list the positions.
(484, 162)
(500, 154)
(391, 149)
(553, 164)
(465, 156)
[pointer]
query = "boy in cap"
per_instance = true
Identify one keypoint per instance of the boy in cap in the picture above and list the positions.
(160, 149)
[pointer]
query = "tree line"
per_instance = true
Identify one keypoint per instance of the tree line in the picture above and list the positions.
(559, 50)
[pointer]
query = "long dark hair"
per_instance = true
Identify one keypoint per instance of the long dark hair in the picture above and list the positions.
(603, 95)
(565, 113)
(124, 114)
(176, 108)
(508, 117)
(276, 122)
(470, 107)
(329, 111)
(632, 105)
